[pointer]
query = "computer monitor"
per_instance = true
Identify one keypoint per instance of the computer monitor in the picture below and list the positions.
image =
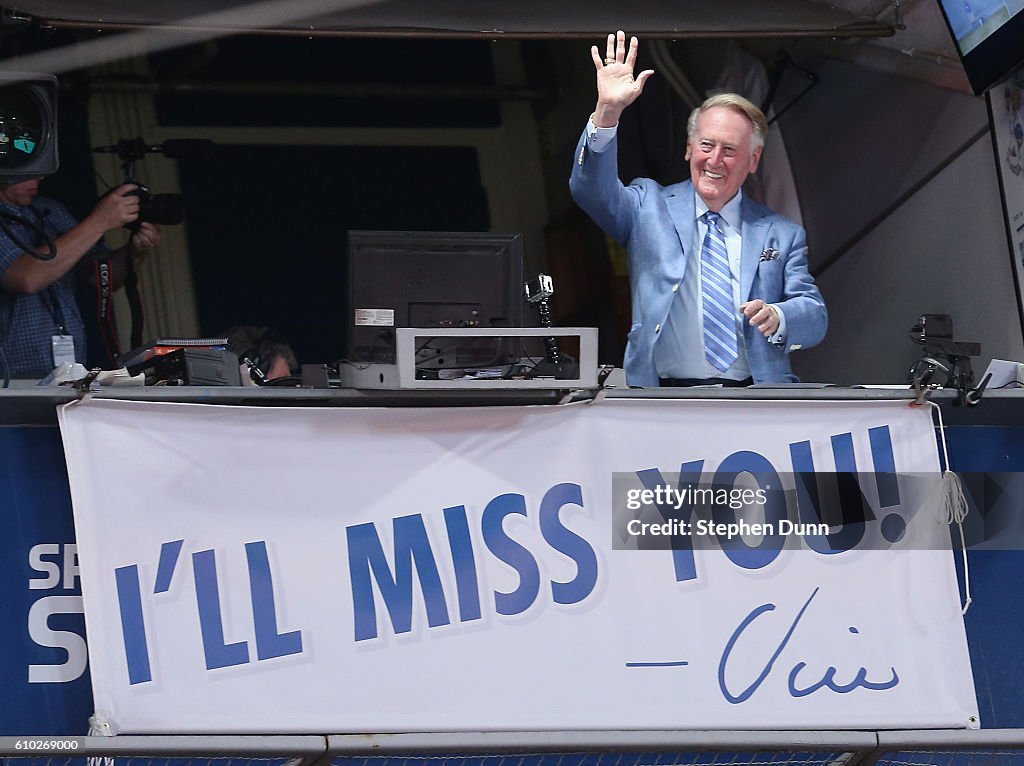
(988, 36)
(432, 279)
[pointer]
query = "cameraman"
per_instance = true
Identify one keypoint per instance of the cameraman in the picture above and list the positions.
(40, 325)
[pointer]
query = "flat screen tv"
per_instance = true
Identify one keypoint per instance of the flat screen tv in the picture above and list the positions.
(432, 279)
(989, 35)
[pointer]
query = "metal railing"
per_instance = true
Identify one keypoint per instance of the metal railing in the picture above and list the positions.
(1002, 747)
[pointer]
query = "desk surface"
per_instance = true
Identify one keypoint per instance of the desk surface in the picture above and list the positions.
(37, 405)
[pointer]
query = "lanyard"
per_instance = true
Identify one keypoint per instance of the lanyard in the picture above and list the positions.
(51, 299)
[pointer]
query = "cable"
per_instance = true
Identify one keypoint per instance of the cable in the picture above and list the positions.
(357, 365)
(287, 380)
(467, 345)
(9, 218)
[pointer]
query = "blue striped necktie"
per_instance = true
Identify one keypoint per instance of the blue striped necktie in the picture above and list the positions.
(720, 347)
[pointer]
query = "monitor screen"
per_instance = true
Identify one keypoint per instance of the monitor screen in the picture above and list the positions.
(988, 36)
(432, 279)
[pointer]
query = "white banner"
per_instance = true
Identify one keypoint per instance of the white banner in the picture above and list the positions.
(1006, 101)
(444, 569)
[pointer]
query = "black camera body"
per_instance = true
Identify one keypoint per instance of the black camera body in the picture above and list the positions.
(935, 333)
(163, 209)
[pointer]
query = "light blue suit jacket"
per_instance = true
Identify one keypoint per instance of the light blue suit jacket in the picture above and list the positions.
(656, 225)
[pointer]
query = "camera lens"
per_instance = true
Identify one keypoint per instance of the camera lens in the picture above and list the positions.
(21, 127)
(163, 209)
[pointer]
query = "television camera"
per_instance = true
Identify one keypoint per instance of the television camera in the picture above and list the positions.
(28, 148)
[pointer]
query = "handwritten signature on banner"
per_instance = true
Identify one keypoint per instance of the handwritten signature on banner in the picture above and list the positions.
(827, 681)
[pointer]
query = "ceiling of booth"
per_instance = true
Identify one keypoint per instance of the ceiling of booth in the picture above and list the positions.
(906, 37)
(523, 17)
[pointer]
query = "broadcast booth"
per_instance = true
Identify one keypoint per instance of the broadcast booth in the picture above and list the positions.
(466, 537)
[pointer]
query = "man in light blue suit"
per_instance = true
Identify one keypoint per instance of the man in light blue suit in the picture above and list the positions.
(683, 238)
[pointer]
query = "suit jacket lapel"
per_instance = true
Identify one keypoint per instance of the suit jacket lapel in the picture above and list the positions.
(754, 232)
(682, 211)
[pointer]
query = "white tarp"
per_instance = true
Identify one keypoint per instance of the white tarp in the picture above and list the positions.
(444, 569)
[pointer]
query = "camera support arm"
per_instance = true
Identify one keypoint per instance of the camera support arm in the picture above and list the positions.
(944, 355)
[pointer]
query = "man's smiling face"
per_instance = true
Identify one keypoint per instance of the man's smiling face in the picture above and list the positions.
(721, 154)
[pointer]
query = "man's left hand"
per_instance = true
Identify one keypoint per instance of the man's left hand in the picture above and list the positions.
(146, 237)
(761, 316)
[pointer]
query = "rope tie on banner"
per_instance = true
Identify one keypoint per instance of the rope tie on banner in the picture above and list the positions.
(953, 507)
(101, 726)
